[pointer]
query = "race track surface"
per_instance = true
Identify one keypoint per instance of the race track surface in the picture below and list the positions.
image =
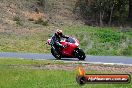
(121, 60)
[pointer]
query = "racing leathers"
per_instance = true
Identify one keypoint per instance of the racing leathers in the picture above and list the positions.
(55, 42)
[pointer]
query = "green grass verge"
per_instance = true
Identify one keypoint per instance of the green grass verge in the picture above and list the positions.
(17, 77)
(94, 40)
(102, 41)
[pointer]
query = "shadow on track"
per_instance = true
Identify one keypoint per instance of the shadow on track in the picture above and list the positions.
(66, 59)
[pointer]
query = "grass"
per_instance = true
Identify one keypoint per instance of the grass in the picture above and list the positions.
(93, 40)
(18, 77)
(13, 61)
(20, 32)
(102, 41)
(18, 21)
(40, 21)
(23, 43)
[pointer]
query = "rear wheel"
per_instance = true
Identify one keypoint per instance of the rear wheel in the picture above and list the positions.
(55, 54)
(79, 53)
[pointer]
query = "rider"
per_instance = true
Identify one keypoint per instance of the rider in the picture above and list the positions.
(55, 40)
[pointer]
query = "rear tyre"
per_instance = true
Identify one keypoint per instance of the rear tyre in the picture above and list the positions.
(79, 53)
(55, 54)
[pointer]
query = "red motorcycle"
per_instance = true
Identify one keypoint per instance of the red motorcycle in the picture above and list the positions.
(71, 49)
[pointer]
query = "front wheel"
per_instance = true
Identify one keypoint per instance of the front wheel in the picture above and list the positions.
(55, 54)
(79, 53)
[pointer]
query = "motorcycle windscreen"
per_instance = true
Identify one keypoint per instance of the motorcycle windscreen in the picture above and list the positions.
(71, 40)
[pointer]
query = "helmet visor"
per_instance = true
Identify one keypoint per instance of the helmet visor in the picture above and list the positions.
(60, 34)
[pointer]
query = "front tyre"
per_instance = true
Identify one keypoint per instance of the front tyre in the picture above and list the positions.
(79, 53)
(55, 54)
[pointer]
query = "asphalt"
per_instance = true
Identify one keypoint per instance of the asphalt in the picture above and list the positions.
(122, 60)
